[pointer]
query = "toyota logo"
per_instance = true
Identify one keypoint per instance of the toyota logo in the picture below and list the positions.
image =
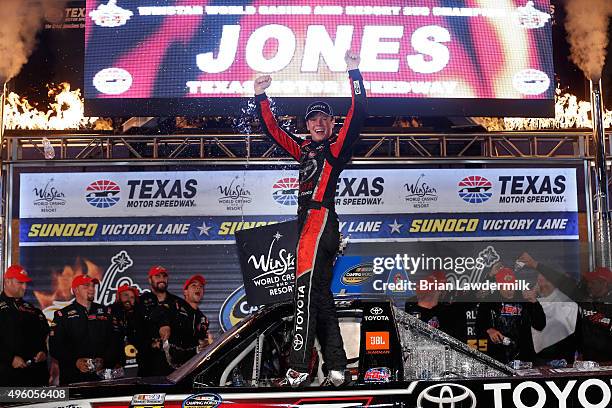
(446, 395)
(298, 342)
(376, 310)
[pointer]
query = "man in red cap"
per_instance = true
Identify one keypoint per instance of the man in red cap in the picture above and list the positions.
(23, 346)
(428, 308)
(82, 337)
(594, 297)
(152, 361)
(506, 320)
(187, 325)
(125, 322)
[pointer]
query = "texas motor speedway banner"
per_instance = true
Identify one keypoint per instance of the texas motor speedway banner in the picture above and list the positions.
(208, 207)
(186, 221)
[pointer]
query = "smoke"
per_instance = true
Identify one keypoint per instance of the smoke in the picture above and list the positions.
(20, 21)
(587, 27)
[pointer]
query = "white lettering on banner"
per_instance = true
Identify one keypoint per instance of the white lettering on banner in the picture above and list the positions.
(497, 225)
(285, 39)
(320, 45)
(129, 229)
(372, 45)
(428, 41)
(226, 53)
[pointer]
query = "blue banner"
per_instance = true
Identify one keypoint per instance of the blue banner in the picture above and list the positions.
(399, 227)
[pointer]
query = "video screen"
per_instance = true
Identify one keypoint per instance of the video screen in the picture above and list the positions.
(422, 57)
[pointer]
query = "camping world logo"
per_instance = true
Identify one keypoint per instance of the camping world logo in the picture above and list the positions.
(475, 189)
(102, 193)
(285, 191)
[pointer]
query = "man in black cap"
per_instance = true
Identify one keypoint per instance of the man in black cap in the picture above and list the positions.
(23, 345)
(322, 157)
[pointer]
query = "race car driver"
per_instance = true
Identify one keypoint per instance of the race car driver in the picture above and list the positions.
(322, 157)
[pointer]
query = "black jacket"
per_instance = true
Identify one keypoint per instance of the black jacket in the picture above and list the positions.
(25, 331)
(514, 319)
(187, 327)
(594, 326)
(81, 333)
(151, 361)
(127, 326)
(450, 319)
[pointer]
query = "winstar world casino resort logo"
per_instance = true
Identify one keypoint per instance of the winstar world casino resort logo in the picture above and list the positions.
(475, 189)
(102, 193)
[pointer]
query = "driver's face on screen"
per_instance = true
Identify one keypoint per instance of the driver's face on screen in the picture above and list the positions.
(320, 126)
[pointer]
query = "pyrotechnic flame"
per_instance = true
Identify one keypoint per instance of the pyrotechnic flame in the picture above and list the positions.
(65, 112)
(570, 113)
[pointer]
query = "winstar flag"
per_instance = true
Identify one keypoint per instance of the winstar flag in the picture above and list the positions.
(445, 54)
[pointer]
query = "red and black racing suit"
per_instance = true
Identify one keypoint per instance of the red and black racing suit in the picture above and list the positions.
(320, 166)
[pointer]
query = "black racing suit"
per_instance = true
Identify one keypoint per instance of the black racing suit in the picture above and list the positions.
(80, 333)
(25, 334)
(127, 328)
(187, 327)
(320, 166)
(151, 361)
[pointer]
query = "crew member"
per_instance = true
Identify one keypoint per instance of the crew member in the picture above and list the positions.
(322, 157)
(82, 337)
(594, 296)
(125, 322)
(428, 308)
(153, 360)
(507, 320)
(187, 325)
(23, 345)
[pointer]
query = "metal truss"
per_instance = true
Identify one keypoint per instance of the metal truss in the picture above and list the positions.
(78, 147)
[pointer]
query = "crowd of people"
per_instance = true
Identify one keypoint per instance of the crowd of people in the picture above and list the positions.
(87, 341)
(556, 322)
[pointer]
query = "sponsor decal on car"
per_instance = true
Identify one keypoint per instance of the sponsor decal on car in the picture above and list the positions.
(202, 401)
(446, 394)
(148, 399)
(377, 342)
(377, 375)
